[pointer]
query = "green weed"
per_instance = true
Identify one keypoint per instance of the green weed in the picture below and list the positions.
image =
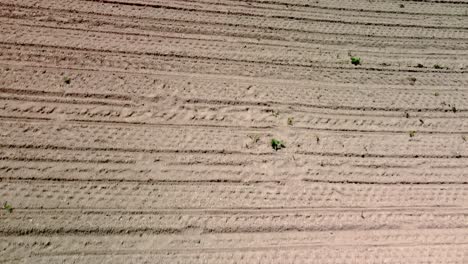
(355, 61)
(277, 144)
(8, 207)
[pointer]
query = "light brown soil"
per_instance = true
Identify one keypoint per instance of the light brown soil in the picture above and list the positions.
(138, 131)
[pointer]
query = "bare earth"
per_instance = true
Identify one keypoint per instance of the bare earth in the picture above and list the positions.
(139, 131)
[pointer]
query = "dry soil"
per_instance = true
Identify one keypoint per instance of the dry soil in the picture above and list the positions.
(139, 131)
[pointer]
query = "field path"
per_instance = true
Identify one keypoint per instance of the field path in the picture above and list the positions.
(139, 131)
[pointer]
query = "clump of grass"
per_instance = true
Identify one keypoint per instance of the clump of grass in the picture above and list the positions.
(412, 80)
(463, 137)
(412, 133)
(277, 144)
(67, 80)
(454, 109)
(437, 66)
(355, 61)
(402, 6)
(436, 94)
(8, 207)
(275, 113)
(290, 121)
(420, 65)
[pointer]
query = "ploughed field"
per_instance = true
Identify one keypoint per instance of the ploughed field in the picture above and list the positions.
(140, 131)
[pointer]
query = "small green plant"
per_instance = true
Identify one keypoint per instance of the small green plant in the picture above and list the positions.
(290, 121)
(412, 133)
(317, 139)
(67, 80)
(275, 113)
(412, 80)
(420, 65)
(454, 109)
(436, 94)
(437, 66)
(8, 207)
(463, 137)
(277, 144)
(402, 6)
(355, 61)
